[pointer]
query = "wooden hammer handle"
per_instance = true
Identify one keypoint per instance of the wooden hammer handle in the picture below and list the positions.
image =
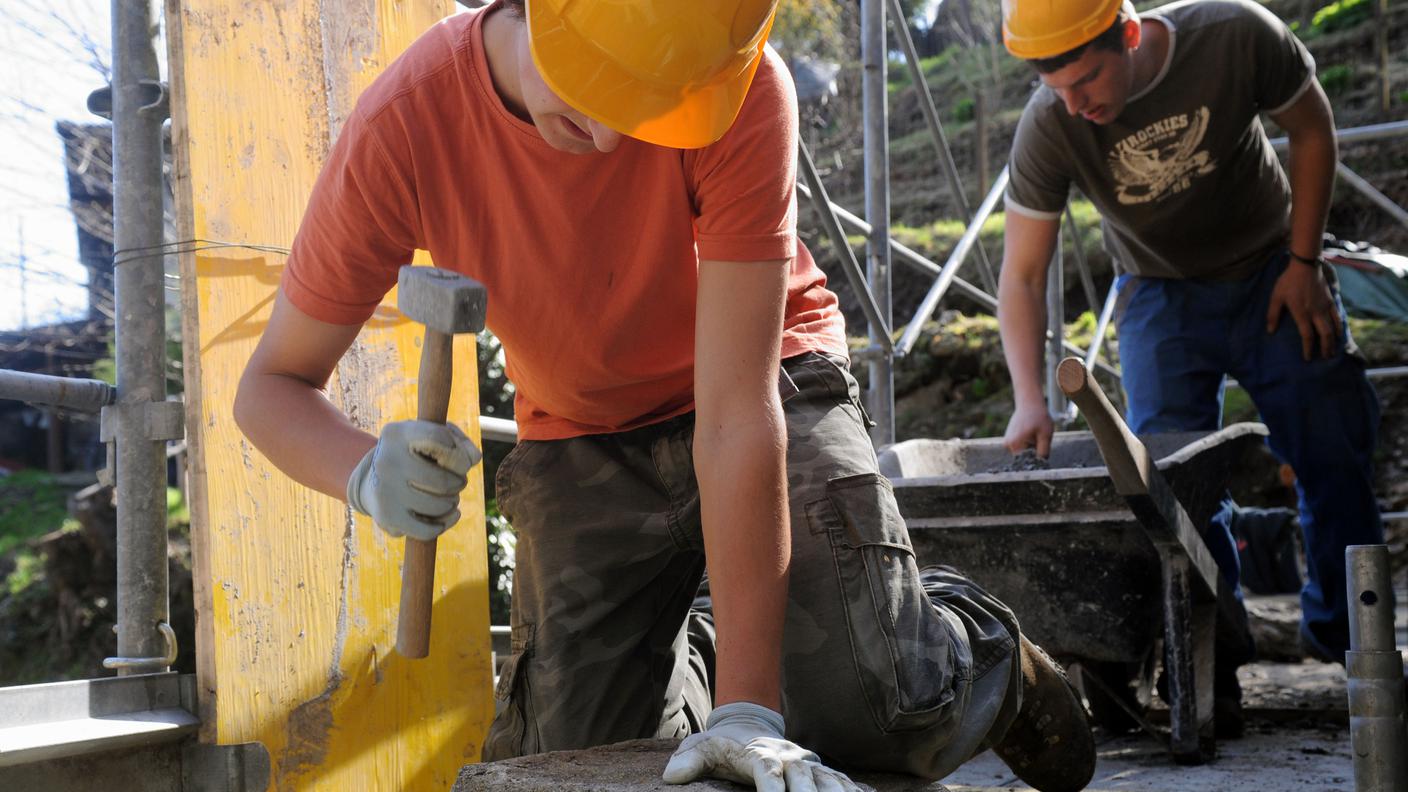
(418, 571)
(1128, 461)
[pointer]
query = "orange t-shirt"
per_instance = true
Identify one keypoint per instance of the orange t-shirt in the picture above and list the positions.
(591, 261)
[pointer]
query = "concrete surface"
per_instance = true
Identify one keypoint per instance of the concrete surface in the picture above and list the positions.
(1269, 759)
(1273, 757)
(1297, 739)
(633, 766)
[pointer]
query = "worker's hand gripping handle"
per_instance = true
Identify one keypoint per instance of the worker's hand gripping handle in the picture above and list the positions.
(1125, 456)
(418, 571)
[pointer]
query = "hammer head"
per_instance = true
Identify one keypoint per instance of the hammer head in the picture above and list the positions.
(444, 301)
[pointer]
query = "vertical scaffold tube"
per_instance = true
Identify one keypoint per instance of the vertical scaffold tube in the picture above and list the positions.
(137, 114)
(1377, 733)
(874, 96)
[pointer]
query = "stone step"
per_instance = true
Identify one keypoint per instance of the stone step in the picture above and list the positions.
(633, 766)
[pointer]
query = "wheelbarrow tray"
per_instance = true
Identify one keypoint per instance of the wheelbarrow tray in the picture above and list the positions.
(1059, 545)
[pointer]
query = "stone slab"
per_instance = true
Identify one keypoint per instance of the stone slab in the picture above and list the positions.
(633, 766)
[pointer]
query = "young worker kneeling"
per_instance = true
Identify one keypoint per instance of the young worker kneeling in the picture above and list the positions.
(621, 178)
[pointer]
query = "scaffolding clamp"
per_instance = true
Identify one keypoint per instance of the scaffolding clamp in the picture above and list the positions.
(155, 97)
(163, 420)
(119, 663)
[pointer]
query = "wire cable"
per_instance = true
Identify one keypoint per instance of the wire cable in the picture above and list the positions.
(196, 245)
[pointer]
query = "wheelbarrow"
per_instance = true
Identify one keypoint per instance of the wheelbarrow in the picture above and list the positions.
(1098, 562)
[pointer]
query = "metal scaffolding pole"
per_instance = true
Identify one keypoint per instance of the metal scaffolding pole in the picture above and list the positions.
(880, 397)
(965, 245)
(1082, 266)
(1056, 402)
(1372, 193)
(138, 423)
(1363, 134)
(936, 130)
(66, 393)
(827, 215)
(921, 264)
(1102, 325)
(1375, 674)
(907, 256)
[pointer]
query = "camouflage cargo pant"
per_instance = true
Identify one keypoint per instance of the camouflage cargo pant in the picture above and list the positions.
(884, 666)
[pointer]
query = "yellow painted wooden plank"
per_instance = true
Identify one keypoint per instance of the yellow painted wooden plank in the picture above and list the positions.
(296, 603)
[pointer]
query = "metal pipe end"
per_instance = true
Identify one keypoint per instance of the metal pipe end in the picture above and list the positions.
(1370, 592)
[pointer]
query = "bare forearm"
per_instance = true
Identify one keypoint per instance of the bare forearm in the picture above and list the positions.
(300, 431)
(1021, 310)
(1310, 126)
(742, 475)
(1312, 175)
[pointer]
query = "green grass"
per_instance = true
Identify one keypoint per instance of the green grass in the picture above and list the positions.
(963, 110)
(1237, 406)
(28, 568)
(936, 69)
(31, 505)
(1081, 332)
(936, 239)
(176, 511)
(1337, 79)
(503, 543)
(1342, 15)
(952, 71)
(1383, 343)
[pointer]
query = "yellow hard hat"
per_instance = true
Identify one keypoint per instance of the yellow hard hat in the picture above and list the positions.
(669, 72)
(1034, 29)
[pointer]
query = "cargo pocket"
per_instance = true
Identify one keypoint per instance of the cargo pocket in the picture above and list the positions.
(514, 733)
(903, 647)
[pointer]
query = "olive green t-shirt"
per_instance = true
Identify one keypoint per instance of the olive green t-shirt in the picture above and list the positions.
(1185, 178)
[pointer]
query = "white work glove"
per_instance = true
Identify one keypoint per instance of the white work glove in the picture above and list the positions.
(743, 743)
(410, 481)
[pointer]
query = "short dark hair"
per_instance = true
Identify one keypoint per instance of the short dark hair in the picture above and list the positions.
(515, 5)
(1111, 40)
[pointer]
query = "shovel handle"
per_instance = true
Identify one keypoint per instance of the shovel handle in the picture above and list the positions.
(1128, 461)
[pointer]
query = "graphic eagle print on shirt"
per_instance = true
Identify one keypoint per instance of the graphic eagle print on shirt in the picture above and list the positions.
(1159, 160)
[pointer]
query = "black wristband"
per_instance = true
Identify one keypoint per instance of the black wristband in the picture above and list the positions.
(1309, 262)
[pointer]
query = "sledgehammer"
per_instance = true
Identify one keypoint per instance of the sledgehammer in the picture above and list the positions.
(447, 303)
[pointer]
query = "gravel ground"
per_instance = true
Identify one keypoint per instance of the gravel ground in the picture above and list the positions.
(1270, 758)
(1282, 750)
(1297, 735)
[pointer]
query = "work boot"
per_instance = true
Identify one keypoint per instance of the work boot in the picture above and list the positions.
(1049, 746)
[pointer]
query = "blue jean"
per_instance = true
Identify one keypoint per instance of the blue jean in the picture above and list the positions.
(1178, 338)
